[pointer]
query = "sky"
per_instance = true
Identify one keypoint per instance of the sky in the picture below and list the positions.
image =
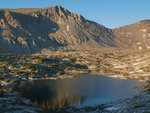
(110, 13)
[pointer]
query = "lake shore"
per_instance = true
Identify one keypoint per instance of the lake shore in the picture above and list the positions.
(136, 104)
(123, 65)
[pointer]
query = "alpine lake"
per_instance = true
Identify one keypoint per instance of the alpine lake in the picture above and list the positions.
(80, 91)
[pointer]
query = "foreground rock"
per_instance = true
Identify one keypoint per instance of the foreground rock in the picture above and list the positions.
(137, 104)
(17, 105)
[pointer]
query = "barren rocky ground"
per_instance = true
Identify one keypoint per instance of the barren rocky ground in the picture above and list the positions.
(119, 63)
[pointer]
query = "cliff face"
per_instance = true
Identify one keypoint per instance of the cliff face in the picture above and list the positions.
(31, 30)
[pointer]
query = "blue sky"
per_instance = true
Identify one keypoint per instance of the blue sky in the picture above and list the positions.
(110, 13)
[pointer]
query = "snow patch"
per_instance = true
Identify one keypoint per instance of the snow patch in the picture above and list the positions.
(140, 47)
(112, 108)
(144, 35)
(92, 67)
(33, 42)
(138, 63)
(132, 72)
(54, 29)
(120, 66)
(138, 43)
(59, 22)
(129, 33)
(148, 47)
(67, 27)
(138, 71)
(137, 60)
(144, 30)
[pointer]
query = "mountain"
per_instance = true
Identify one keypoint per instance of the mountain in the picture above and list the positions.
(31, 30)
(134, 36)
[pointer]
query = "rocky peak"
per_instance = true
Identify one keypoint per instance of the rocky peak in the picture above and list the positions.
(60, 11)
(63, 12)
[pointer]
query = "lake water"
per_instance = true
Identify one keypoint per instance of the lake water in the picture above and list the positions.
(80, 91)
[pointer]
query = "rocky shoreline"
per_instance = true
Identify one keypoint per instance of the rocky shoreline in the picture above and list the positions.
(136, 104)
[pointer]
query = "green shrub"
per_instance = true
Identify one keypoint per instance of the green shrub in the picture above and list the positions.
(2, 77)
(68, 68)
(2, 69)
(147, 112)
(138, 106)
(46, 75)
(18, 72)
(7, 80)
(14, 81)
(105, 69)
(1, 93)
(59, 73)
(125, 74)
(105, 55)
(71, 59)
(31, 75)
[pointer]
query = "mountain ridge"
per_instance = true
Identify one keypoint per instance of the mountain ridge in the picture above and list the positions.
(29, 30)
(136, 35)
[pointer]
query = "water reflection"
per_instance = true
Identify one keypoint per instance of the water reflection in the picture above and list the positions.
(83, 90)
(49, 94)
